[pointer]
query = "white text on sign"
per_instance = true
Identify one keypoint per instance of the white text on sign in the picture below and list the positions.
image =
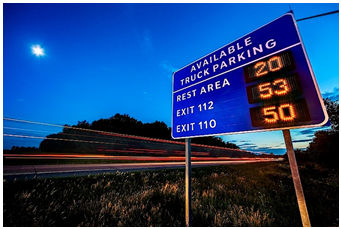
(202, 125)
(204, 89)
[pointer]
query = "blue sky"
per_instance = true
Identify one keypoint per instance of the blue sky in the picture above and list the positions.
(103, 59)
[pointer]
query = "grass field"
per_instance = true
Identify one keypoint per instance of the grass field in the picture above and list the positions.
(260, 194)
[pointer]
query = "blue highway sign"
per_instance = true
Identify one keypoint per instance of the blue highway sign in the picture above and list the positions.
(262, 81)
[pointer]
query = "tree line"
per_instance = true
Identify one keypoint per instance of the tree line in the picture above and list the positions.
(324, 148)
(76, 137)
(124, 124)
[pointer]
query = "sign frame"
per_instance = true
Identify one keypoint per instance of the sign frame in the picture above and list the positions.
(189, 108)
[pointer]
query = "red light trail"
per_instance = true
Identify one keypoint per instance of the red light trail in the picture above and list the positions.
(125, 158)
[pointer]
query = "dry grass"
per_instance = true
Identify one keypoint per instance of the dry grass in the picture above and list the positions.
(243, 195)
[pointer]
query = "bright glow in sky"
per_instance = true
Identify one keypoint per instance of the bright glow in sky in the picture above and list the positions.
(105, 59)
(37, 50)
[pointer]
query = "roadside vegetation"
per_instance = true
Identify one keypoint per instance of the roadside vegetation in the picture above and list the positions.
(260, 194)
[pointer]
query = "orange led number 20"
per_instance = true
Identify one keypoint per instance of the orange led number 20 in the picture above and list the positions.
(272, 65)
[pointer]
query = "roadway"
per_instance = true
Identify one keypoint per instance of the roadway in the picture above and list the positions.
(67, 170)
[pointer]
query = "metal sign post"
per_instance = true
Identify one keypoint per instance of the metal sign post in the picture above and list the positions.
(296, 178)
(188, 183)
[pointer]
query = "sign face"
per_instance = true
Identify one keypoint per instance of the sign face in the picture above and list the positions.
(262, 81)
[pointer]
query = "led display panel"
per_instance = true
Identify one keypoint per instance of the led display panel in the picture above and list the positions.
(260, 82)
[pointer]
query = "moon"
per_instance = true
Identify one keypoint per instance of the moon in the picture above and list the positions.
(37, 50)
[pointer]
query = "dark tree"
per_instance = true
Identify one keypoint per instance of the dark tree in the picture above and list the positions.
(83, 124)
(123, 124)
(15, 148)
(333, 113)
(82, 138)
(214, 141)
(24, 149)
(324, 149)
(157, 129)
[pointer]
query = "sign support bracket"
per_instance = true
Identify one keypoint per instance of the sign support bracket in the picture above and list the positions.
(188, 183)
(296, 178)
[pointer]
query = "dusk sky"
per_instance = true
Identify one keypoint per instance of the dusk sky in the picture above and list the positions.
(64, 63)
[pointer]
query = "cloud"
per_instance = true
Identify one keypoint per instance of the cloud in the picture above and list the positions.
(307, 132)
(21, 100)
(311, 131)
(146, 42)
(168, 67)
(266, 149)
(306, 135)
(303, 140)
(248, 146)
(279, 151)
(334, 95)
(279, 145)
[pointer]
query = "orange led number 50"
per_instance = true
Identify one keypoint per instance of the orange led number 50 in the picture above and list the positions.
(285, 113)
